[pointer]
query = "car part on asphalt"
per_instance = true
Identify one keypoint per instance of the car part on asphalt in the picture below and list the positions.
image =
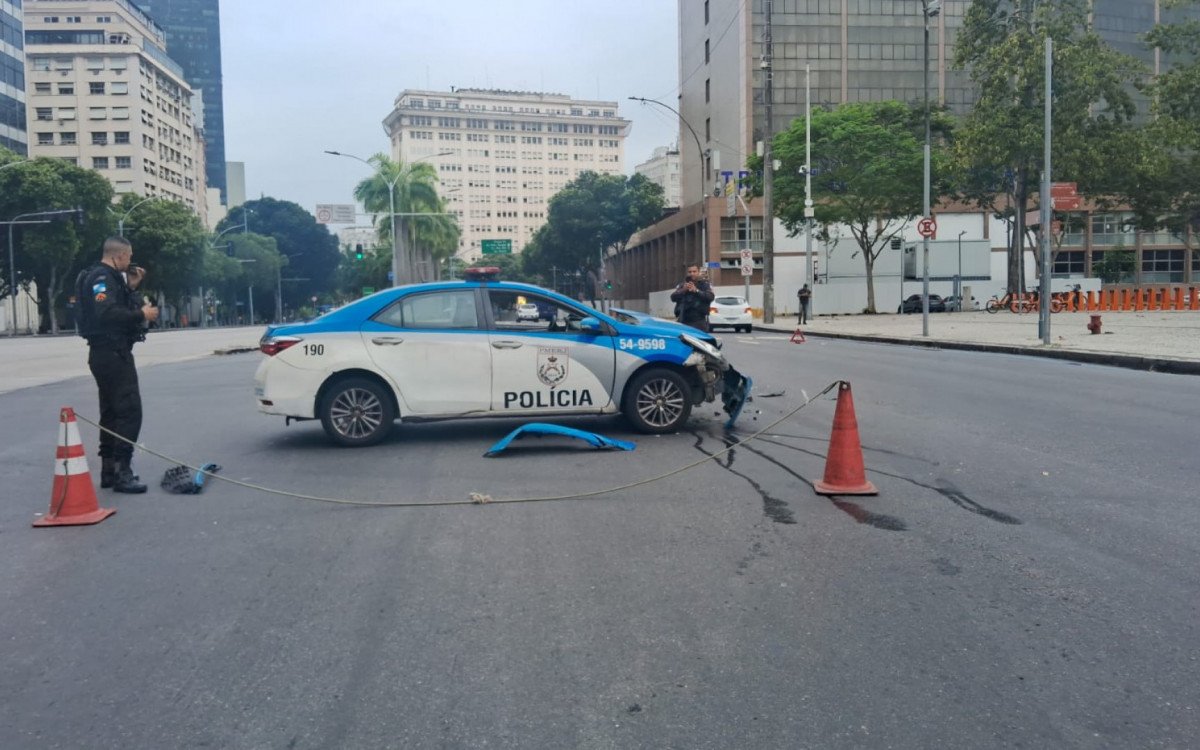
(182, 480)
(541, 428)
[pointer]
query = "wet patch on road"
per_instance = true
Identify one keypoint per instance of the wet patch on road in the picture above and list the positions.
(868, 518)
(774, 508)
(966, 503)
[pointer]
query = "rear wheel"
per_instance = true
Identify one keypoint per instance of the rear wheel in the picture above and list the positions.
(658, 401)
(1056, 305)
(357, 412)
(994, 306)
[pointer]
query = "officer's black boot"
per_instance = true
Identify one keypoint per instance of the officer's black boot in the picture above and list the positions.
(108, 471)
(125, 481)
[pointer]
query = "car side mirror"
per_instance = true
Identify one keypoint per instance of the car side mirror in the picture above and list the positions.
(590, 325)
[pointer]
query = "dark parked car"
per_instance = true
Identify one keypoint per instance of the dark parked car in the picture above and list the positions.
(913, 304)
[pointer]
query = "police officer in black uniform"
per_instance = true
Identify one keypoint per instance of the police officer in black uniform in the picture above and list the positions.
(692, 299)
(112, 317)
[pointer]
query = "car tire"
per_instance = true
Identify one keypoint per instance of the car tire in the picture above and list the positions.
(746, 329)
(357, 412)
(658, 401)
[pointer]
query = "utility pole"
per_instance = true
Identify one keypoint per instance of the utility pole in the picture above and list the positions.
(768, 181)
(1044, 296)
(809, 211)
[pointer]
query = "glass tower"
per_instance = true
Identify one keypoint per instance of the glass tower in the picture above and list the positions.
(12, 79)
(194, 41)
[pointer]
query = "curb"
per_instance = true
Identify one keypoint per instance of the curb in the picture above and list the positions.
(1129, 361)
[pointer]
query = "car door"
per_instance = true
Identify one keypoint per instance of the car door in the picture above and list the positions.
(548, 365)
(433, 346)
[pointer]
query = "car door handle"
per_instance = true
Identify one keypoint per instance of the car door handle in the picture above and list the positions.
(507, 344)
(387, 340)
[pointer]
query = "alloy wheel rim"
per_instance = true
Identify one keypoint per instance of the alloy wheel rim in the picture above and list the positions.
(356, 413)
(660, 403)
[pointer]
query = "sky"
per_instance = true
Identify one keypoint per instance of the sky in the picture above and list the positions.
(304, 76)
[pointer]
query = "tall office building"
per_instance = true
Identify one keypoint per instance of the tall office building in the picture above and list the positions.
(194, 41)
(104, 94)
(12, 78)
(857, 50)
(662, 168)
(501, 155)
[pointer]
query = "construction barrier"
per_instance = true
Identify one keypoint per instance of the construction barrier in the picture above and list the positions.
(73, 497)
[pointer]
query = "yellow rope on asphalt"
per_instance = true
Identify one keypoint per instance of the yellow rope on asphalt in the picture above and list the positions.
(475, 498)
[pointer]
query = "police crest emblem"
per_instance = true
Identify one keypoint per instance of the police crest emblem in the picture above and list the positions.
(553, 365)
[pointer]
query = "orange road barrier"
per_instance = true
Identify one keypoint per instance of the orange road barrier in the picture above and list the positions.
(1178, 298)
(73, 498)
(845, 473)
(1091, 302)
(1195, 295)
(1126, 302)
(1070, 301)
(1139, 299)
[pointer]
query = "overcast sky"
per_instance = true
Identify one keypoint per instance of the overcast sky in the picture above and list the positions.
(303, 76)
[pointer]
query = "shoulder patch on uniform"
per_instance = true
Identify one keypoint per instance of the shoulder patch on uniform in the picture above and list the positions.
(101, 296)
(99, 286)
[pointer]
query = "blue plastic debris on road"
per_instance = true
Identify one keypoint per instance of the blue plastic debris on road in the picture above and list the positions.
(540, 428)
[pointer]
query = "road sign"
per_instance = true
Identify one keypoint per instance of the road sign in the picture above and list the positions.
(714, 264)
(336, 213)
(368, 290)
(927, 227)
(747, 259)
(496, 247)
(1063, 190)
(1065, 203)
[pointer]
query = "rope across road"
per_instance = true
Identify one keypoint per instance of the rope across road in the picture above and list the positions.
(474, 498)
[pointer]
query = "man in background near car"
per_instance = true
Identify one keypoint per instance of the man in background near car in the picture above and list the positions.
(692, 298)
(804, 296)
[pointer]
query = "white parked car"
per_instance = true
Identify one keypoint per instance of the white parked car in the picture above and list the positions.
(732, 312)
(528, 311)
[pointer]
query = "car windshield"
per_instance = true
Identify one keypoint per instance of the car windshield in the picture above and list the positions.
(624, 317)
(729, 301)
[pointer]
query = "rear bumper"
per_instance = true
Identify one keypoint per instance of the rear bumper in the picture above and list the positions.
(286, 391)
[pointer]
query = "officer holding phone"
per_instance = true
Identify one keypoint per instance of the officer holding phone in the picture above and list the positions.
(112, 317)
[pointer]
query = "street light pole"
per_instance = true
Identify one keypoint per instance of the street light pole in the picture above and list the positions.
(703, 168)
(768, 274)
(929, 9)
(958, 279)
(809, 210)
(121, 220)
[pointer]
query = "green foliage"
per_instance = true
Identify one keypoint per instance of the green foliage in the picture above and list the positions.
(869, 173)
(591, 214)
(167, 240)
(1116, 266)
(999, 146)
(51, 255)
(371, 271)
(311, 250)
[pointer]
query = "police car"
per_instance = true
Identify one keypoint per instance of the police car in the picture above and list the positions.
(460, 349)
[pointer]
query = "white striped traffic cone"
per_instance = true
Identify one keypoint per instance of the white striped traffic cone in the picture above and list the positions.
(73, 499)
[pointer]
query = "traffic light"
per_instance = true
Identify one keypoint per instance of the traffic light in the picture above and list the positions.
(608, 284)
(358, 251)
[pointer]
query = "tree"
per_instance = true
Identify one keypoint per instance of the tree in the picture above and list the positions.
(51, 255)
(424, 240)
(999, 145)
(868, 174)
(168, 241)
(371, 271)
(591, 215)
(1165, 187)
(1116, 265)
(311, 250)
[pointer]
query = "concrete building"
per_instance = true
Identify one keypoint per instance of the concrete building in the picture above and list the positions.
(235, 183)
(193, 30)
(12, 78)
(501, 155)
(662, 168)
(105, 95)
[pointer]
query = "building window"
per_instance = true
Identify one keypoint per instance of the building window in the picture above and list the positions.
(119, 87)
(1113, 228)
(121, 136)
(97, 113)
(706, 58)
(99, 162)
(96, 87)
(1068, 263)
(41, 88)
(707, 129)
(1162, 266)
(66, 88)
(66, 113)
(99, 139)
(120, 113)
(124, 162)
(40, 63)
(707, 90)
(45, 139)
(66, 139)
(705, 11)
(44, 113)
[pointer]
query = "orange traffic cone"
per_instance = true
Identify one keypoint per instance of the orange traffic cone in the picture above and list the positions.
(844, 470)
(798, 336)
(73, 499)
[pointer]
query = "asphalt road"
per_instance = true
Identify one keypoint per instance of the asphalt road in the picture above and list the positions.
(1028, 577)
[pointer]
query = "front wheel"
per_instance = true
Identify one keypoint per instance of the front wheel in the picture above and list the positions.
(994, 306)
(1056, 306)
(357, 412)
(658, 401)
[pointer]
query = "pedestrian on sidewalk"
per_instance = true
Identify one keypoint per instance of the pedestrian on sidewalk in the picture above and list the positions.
(112, 318)
(805, 296)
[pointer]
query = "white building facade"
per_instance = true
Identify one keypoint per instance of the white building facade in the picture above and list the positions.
(501, 155)
(662, 168)
(104, 95)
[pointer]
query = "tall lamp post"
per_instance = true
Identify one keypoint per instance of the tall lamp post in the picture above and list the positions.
(123, 217)
(929, 9)
(391, 203)
(703, 168)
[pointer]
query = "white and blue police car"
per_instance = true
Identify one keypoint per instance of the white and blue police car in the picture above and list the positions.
(460, 349)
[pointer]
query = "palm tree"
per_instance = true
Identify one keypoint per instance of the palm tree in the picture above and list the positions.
(415, 186)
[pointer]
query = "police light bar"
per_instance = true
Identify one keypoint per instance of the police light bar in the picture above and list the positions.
(482, 273)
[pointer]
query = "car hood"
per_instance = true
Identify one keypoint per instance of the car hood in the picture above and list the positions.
(652, 325)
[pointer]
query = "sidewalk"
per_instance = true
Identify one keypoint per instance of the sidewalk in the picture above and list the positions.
(37, 360)
(1165, 341)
